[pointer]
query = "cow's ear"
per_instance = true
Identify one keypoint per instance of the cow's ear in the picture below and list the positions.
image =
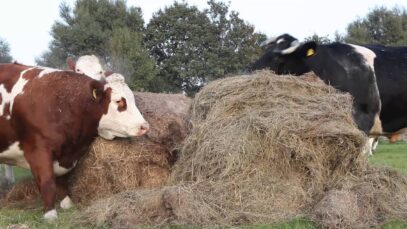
(308, 49)
(71, 63)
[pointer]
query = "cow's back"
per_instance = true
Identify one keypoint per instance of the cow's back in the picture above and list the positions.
(56, 105)
(9, 74)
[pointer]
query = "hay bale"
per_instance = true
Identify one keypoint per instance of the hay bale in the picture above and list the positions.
(147, 206)
(262, 149)
(23, 194)
(167, 116)
(125, 164)
(255, 137)
(23, 191)
(114, 166)
(370, 199)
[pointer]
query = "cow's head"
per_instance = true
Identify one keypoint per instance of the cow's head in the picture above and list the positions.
(88, 65)
(123, 119)
(285, 55)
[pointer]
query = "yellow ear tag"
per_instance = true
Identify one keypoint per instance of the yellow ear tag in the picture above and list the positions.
(310, 52)
(94, 93)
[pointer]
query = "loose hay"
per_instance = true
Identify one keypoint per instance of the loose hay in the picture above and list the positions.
(115, 166)
(370, 199)
(24, 194)
(167, 115)
(263, 149)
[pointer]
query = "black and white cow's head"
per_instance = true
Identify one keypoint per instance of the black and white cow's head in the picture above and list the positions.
(285, 55)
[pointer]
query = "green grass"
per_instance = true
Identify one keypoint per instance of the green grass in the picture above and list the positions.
(292, 224)
(395, 225)
(21, 173)
(389, 155)
(33, 218)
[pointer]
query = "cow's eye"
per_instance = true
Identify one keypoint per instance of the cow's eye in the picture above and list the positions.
(121, 104)
(101, 72)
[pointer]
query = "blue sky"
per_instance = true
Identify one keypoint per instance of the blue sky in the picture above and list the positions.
(26, 24)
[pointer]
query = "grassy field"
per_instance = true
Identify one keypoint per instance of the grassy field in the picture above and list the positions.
(389, 155)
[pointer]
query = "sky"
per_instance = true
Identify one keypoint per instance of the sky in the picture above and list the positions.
(26, 24)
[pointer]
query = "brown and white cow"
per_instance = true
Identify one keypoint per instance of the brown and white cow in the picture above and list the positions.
(48, 118)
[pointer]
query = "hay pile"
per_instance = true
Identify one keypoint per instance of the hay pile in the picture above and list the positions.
(263, 149)
(115, 166)
(370, 199)
(167, 115)
(125, 164)
(23, 194)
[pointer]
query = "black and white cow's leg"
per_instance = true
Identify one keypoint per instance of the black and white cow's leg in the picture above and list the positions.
(375, 143)
(40, 160)
(368, 120)
(62, 185)
(371, 145)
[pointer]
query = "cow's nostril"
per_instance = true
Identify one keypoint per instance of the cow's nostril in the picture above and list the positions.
(144, 127)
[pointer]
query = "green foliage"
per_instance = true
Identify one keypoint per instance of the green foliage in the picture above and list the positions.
(178, 38)
(325, 39)
(380, 26)
(129, 57)
(5, 56)
(236, 43)
(318, 39)
(108, 29)
(192, 47)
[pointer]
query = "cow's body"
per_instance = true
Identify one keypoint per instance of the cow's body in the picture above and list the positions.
(376, 76)
(48, 118)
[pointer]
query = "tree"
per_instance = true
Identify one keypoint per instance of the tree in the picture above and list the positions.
(192, 47)
(178, 38)
(129, 57)
(380, 26)
(108, 29)
(318, 39)
(5, 56)
(236, 44)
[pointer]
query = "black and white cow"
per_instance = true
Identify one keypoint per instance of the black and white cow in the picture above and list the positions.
(375, 75)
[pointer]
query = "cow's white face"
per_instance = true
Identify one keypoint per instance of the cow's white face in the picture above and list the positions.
(123, 118)
(90, 66)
